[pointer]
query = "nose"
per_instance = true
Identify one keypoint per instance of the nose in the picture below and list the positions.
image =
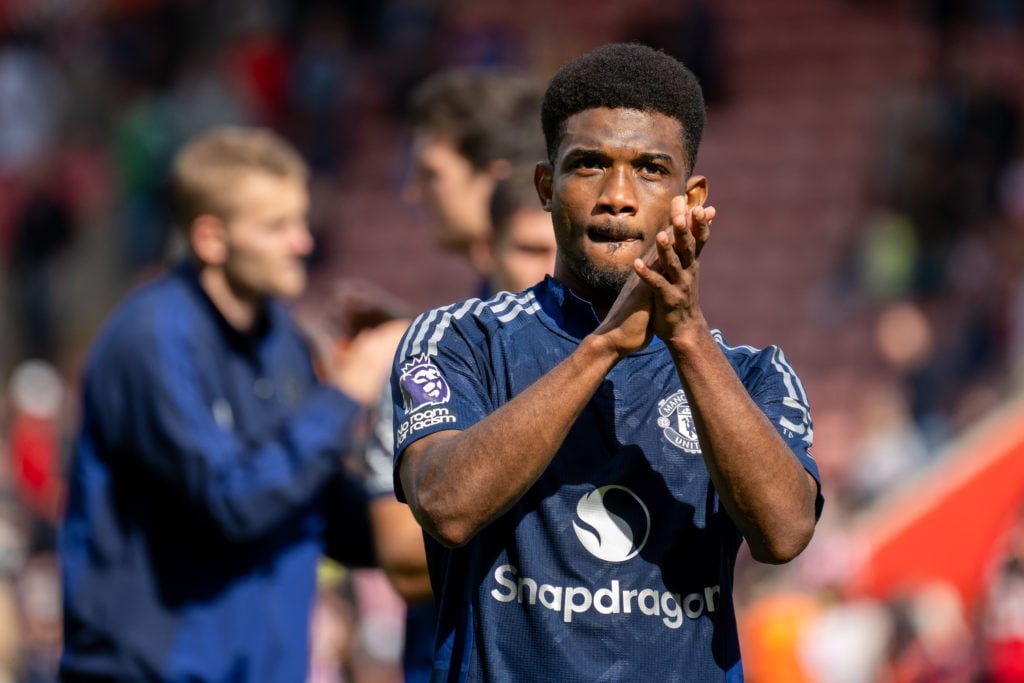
(302, 238)
(618, 195)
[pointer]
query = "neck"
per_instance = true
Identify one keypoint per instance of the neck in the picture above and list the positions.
(239, 310)
(601, 301)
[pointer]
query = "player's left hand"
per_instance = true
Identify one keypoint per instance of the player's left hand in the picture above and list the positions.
(674, 278)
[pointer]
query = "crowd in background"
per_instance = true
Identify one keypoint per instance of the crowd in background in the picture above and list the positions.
(95, 98)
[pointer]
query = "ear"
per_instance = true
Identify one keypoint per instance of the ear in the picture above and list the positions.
(543, 179)
(696, 191)
(208, 236)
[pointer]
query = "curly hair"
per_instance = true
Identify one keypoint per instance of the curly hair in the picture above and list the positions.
(625, 76)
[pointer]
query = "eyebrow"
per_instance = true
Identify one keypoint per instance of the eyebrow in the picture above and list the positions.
(585, 153)
(589, 153)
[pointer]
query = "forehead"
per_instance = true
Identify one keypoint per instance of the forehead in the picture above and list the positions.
(624, 130)
(262, 192)
(431, 147)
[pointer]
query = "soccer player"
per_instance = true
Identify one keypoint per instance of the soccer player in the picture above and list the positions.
(207, 476)
(587, 456)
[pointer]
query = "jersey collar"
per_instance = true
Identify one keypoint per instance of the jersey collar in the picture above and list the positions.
(569, 312)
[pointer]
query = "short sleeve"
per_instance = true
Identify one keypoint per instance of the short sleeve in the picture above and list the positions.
(437, 382)
(782, 397)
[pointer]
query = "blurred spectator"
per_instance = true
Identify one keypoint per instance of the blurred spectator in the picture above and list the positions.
(1002, 614)
(333, 626)
(13, 554)
(847, 642)
(469, 127)
(38, 593)
(32, 99)
(930, 639)
(888, 446)
(321, 81)
(43, 232)
(36, 438)
(348, 309)
(207, 475)
(144, 139)
(521, 246)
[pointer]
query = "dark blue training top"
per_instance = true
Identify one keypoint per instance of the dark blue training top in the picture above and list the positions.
(617, 564)
(204, 476)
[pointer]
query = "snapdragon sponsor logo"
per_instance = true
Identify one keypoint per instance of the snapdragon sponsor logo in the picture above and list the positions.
(612, 524)
(611, 599)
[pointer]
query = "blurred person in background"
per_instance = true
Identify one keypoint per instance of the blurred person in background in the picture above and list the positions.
(521, 246)
(470, 126)
(600, 400)
(473, 130)
(1001, 620)
(350, 310)
(207, 475)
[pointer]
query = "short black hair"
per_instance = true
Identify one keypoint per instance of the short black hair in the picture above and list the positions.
(625, 76)
(489, 113)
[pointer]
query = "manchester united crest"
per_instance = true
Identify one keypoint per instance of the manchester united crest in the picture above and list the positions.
(676, 421)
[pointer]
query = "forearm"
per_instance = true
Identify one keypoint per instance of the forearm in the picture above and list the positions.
(761, 483)
(400, 552)
(458, 482)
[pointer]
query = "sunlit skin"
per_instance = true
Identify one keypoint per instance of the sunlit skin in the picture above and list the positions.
(523, 252)
(610, 190)
(258, 249)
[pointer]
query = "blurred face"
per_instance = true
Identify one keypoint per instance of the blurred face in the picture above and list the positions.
(609, 191)
(267, 238)
(524, 252)
(455, 194)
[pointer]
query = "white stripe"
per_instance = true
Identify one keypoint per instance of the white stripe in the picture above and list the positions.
(796, 397)
(501, 301)
(717, 334)
(425, 331)
(523, 303)
(476, 305)
(784, 361)
(420, 325)
(511, 315)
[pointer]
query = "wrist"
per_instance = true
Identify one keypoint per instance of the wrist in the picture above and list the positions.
(691, 341)
(600, 350)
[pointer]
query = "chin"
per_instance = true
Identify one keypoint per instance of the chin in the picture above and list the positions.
(602, 277)
(292, 288)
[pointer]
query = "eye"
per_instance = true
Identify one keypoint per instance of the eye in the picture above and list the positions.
(586, 164)
(652, 169)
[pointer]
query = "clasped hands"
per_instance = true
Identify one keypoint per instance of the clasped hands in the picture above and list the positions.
(660, 297)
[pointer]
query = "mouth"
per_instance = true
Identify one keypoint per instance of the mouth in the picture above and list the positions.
(608, 234)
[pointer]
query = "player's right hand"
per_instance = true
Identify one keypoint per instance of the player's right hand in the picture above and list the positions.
(627, 327)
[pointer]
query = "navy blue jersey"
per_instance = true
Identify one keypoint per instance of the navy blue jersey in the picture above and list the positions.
(617, 564)
(205, 484)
